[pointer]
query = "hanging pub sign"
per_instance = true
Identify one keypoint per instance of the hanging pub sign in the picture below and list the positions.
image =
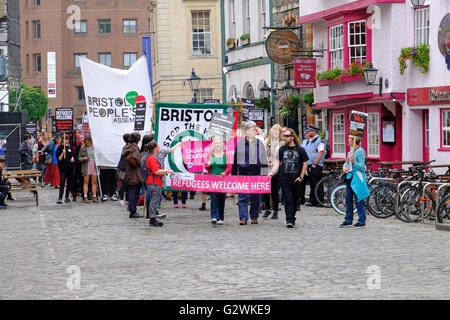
(428, 95)
(358, 122)
(305, 73)
(64, 121)
(444, 38)
(139, 120)
(281, 45)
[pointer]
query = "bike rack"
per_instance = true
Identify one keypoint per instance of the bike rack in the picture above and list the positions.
(412, 182)
(440, 226)
(425, 186)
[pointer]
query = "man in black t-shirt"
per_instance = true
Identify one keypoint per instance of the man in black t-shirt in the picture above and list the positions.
(292, 164)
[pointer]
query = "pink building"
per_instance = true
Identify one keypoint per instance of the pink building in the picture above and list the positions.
(409, 118)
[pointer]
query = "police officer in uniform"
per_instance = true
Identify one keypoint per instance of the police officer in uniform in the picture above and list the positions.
(315, 148)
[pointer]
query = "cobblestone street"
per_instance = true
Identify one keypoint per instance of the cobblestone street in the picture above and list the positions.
(188, 258)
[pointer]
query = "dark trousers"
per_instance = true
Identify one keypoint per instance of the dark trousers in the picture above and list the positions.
(123, 189)
(133, 196)
(108, 181)
(274, 194)
(315, 174)
(184, 196)
(217, 205)
(4, 189)
(65, 176)
(78, 180)
(290, 196)
(302, 189)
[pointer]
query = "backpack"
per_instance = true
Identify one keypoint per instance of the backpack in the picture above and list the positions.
(144, 169)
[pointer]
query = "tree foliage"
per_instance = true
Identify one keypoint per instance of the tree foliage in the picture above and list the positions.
(33, 100)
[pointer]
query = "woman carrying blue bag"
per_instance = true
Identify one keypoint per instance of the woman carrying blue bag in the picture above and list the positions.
(356, 185)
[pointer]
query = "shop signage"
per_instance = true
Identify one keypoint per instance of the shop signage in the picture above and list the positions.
(427, 96)
(304, 72)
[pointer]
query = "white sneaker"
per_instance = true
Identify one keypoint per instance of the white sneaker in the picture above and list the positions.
(213, 222)
(219, 221)
(105, 197)
(161, 215)
(114, 198)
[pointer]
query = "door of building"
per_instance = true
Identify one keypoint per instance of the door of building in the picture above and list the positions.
(426, 136)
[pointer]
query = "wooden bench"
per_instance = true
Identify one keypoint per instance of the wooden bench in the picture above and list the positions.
(24, 181)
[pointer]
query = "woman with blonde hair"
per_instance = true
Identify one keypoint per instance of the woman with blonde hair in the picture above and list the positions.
(88, 169)
(273, 143)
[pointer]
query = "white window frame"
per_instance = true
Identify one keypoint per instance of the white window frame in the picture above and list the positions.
(247, 17)
(373, 133)
(127, 58)
(79, 26)
(77, 59)
(106, 55)
(337, 47)
(340, 133)
(445, 129)
(361, 58)
(205, 93)
(263, 17)
(126, 24)
(422, 25)
(233, 18)
(320, 120)
(206, 34)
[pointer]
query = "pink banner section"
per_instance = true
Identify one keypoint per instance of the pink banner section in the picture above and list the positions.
(195, 153)
(216, 183)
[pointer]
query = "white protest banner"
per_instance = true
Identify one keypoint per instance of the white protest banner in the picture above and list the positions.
(110, 101)
(175, 122)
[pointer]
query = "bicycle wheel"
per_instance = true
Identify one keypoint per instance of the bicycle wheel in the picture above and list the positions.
(381, 201)
(410, 209)
(444, 210)
(328, 183)
(338, 200)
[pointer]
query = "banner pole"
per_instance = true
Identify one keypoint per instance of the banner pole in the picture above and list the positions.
(99, 183)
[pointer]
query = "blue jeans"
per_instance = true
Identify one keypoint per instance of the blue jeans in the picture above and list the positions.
(349, 195)
(133, 196)
(255, 200)
(184, 196)
(217, 205)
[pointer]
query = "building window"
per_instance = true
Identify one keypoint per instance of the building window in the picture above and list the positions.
(37, 62)
(80, 93)
(233, 95)
(77, 59)
(357, 41)
(338, 135)
(247, 17)
(320, 120)
(27, 30)
(205, 94)
(262, 17)
(80, 26)
(129, 59)
(129, 26)
(104, 26)
(201, 33)
(105, 58)
(28, 63)
(233, 19)
(36, 29)
(446, 128)
(373, 135)
(249, 93)
(36, 3)
(422, 26)
(337, 47)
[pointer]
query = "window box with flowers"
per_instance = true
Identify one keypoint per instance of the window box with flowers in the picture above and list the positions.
(245, 39)
(355, 72)
(289, 106)
(419, 55)
(231, 43)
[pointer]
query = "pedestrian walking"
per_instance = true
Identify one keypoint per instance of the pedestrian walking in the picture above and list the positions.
(26, 153)
(356, 185)
(154, 183)
(133, 173)
(249, 160)
(273, 143)
(292, 165)
(88, 169)
(66, 166)
(52, 172)
(218, 164)
(315, 149)
(4, 187)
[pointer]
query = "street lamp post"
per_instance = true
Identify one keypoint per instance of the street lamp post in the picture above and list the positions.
(194, 82)
(417, 3)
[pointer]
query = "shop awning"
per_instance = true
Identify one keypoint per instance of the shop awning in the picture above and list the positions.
(343, 9)
(343, 101)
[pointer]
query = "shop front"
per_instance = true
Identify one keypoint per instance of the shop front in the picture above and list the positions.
(383, 138)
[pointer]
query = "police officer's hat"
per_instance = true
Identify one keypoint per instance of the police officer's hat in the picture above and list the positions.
(312, 128)
(306, 130)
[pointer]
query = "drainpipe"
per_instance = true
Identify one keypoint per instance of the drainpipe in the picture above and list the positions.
(222, 36)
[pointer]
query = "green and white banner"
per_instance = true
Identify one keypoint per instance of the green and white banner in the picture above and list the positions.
(175, 122)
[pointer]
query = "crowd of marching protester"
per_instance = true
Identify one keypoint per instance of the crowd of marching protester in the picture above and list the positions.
(68, 164)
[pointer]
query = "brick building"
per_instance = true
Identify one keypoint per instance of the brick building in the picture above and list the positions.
(108, 32)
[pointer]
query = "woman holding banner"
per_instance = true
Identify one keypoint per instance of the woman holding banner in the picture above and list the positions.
(355, 179)
(292, 164)
(218, 165)
(154, 183)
